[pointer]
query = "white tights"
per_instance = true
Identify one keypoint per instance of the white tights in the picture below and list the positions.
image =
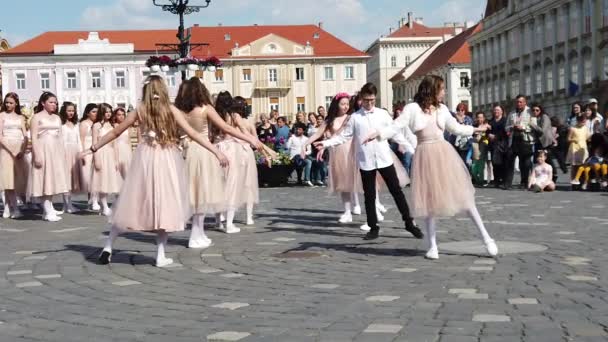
(161, 241)
(198, 238)
(431, 228)
(350, 200)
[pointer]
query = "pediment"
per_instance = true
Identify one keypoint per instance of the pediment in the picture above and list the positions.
(272, 45)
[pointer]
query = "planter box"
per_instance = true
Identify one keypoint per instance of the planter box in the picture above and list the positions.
(277, 175)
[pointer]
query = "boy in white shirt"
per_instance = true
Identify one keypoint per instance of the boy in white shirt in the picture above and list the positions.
(294, 146)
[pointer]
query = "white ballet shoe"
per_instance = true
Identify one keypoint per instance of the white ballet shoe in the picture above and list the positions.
(95, 207)
(107, 212)
(381, 208)
(71, 209)
(222, 218)
(380, 217)
(17, 214)
(432, 254)
(164, 262)
(365, 228)
(200, 243)
(491, 247)
(357, 210)
(58, 212)
(219, 225)
(346, 218)
(250, 222)
(6, 213)
(231, 229)
(51, 218)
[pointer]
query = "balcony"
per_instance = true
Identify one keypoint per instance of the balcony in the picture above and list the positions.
(278, 84)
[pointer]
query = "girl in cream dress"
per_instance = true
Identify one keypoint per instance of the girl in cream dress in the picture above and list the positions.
(73, 147)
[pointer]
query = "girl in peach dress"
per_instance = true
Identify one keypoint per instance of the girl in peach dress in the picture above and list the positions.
(49, 175)
(86, 139)
(344, 176)
(106, 180)
(154, 196)
(13, 165)
(72, 144)
(441, 184)
(206, 179)
(122, 144)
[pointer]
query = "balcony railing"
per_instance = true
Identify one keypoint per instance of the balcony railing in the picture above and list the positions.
(278, 84)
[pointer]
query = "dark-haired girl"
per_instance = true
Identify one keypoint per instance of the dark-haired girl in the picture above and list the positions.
(437, 192)
(13, 165)
(49, 176)
(86, 139)
(72, 144)
(105, 180)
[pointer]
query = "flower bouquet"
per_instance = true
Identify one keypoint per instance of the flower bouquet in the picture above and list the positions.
(153, 63)
(212, 63)
(188, 63)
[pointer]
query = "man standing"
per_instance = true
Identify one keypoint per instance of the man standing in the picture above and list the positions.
(375, 157)
(521, 142)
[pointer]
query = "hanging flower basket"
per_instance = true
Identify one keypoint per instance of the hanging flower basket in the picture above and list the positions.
(164, 68)
(211, 68)
(155, 68)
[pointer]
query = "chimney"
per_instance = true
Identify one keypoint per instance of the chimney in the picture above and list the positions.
(469, 24)
(410, 19)
(320, 24)
(195, 25)
(219, 24)
(418, 20)
(390, 30)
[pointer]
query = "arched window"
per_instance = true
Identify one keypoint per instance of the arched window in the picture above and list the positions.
(587, 67)
(573, 68)
(548, 75)
(393, 61)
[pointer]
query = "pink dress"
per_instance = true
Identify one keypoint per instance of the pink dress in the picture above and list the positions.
(71, 140)
(106, 180)
(344, 173)
(542, 175)
(86, 167)
(13, 172)
(124, 151)
(242, 175)
(52, 177)
(154, 195)
(441, 184)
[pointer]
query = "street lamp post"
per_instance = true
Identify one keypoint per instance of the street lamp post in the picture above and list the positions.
(181, 8)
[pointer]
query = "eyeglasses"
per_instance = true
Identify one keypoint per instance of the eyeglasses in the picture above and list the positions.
(369, 99)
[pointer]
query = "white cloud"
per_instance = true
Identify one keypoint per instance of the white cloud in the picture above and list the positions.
(460, 11)
(124, 14)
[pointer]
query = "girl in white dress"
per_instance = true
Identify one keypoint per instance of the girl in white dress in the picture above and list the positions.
(72, 144)
(86, 139)
(122, 144)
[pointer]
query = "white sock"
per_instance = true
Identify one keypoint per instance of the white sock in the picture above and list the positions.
(161, 239)
(114, 232)
(94, 199)
(249, 212)
(104, 202)
(47, 206)
(355, 199)
(431, 232)
(230, 218)
(474, 215)
(347, 204)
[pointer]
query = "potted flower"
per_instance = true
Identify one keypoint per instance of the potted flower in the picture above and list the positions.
(154, 63)
(212, 63)
(188, 63)
(165, 63)
(278, 173)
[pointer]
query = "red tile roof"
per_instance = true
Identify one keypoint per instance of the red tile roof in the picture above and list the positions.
(419, 30)
(454, 51)
(326, 45)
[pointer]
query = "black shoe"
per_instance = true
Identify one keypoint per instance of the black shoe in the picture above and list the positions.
(412, 228)
(105, 258)
(372, 234)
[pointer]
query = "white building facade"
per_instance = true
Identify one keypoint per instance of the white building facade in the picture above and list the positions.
(402, 47)
(553, 51)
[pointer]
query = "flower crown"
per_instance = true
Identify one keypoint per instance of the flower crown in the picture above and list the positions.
(341, 95)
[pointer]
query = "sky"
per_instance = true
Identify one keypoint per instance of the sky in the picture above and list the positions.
(358, 22)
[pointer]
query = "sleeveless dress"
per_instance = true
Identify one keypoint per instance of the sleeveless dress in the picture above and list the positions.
(52, 177)
(71, 140)
(577, 151)
(124, 151)
(106, 180)
(13, 172)
(441, 184)
(344, 173)
(241, 176)
(154, 194)
(204, 173)
(87, 166)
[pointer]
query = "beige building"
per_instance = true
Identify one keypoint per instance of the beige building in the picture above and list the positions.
(553, 51)
(3, 46)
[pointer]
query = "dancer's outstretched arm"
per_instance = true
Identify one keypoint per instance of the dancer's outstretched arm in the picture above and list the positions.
(339, 139)
(249, 130)
(215, 119)
(318, 134)
(113, 134)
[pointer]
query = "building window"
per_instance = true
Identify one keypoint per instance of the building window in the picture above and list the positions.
(587, 13)
(328, 101)
(407, 60)
(587, 69)
(605, 13)
(300, 74)
(561, 75)
(248, 105)
(121, 105)
(329, 73)
(247, 75)
(272, 75)
(496, 95)
(605, 64)
(349, 72)
(514, 85)
(574, 22)
(20, 81)
(549, 34)
(393, 61)
(300, 104)
(219, 75)
(96, 79)
(549, 77)
(45, 80)
(171, 80)
(71, 77)
(527, 83)
(538, 81)
(464, 80)
(120, 79)
(274, 104)
(574, 69)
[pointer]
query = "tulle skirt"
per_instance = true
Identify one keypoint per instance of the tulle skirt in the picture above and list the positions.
(441, 184)
(206, 180)
(52, 178)
(242, 175)
(106, 180)
(124, 158)
(13, 172)
(154, 195)
(74, 168)
(344, 175)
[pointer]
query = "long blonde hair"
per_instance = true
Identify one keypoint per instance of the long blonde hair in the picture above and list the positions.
(156, 110)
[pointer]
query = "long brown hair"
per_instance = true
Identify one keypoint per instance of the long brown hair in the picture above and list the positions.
(101, 113)
(155, 111)
(63, 113)
(15, 98)
(43, 98)
(192, 93)
(428, 90)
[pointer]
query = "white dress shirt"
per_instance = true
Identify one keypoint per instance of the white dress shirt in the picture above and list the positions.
(375, 154)
(294, 145)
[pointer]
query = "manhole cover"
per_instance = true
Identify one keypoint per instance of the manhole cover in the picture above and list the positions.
(297, 255)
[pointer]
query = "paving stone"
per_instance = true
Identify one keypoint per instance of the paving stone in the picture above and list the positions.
(486, 318)
(461, 291)
(383, 328)
(473, 296)
(382, 298)
(228, 336)
(231, 306)
(581, 278)
(126, 283)
(19, 272)
(481, 268)
(523, 301)
(404, 270)
(28, 284)
(48, 276)
(325, 286)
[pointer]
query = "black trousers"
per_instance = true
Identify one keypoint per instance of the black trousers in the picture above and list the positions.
(389, 174)
(524, 151)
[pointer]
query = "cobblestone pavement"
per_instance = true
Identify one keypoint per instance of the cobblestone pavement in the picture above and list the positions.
(299, 276)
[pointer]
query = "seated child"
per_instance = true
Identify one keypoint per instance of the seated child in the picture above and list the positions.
(597, 162)
(541, 178)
